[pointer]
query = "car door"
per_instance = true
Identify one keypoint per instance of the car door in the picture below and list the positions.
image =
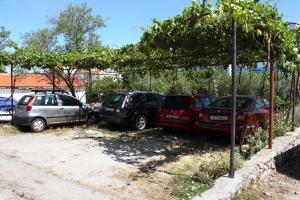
(261, 112)
(46, 106)
(70, 109)
(136, 104)
(153, 103)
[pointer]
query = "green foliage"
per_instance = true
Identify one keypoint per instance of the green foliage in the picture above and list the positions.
(187, 187)
(78, 27)
(4, 39)
(2, 69)
(210, 168)
(254, 143)
(247, 195)
(282, 124)
(41, 40)
(105, 85)
(281, 104)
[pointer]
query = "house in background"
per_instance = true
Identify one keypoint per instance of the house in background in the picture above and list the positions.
(24, 84)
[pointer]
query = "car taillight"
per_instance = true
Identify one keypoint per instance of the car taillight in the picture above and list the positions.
(29, 105)
(125, 102)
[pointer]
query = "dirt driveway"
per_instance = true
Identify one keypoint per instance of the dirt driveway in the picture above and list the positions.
(87, 164)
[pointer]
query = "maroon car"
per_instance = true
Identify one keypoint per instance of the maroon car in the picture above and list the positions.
(181, 111)
(252, 114)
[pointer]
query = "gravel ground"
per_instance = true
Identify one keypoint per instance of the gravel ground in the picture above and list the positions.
(47, 166)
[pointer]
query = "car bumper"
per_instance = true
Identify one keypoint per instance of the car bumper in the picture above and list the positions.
(114, 120)
(174, 125)
(22, 121)
(226, 130)
(5, 117)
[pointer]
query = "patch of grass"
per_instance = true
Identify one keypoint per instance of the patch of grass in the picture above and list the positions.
(187, 187)
(8, 129)
(197, 173)
(247, 195)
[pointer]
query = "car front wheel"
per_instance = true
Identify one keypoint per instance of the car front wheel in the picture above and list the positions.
(92, 119)
(38, 125)
(140, 122)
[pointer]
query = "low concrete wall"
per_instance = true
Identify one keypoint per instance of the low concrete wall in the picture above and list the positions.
(257, 167)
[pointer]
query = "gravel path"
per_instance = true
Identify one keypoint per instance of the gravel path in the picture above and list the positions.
(46, 166)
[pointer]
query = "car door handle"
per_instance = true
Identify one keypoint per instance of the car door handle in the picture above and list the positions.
(61, 108)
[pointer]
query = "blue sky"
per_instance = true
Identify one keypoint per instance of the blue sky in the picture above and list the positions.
(123, 18)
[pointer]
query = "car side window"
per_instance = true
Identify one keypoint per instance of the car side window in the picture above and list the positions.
(48, 100)
(259, 104)
(153, 99)
(138, 99)
(69, 101)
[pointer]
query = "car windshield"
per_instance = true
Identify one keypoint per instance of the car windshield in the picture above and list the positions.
(115, 100)
(177, 102)
(241, 103)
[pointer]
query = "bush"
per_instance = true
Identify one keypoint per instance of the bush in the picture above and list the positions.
(282, 124)
(253, 144)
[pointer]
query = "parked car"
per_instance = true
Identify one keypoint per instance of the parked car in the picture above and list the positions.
(252, 114)
(6, 107)
(43, 109)
(137, 109)
(182, 111)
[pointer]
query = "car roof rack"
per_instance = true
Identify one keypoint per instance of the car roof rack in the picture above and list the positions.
(45, 91)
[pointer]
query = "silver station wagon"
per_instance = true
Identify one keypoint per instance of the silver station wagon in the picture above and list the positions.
(42, 109)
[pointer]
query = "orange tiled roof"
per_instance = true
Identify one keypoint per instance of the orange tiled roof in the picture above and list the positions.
(35, 81)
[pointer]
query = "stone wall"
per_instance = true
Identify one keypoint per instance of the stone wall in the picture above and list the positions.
(257, 167)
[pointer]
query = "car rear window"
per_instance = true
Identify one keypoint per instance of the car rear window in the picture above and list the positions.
(114, 100)
(241, 102)
(201, 102)
(177, 102)
(24, 100)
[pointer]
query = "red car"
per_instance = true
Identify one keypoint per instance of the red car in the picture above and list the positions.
(252, 114)
(182, 111)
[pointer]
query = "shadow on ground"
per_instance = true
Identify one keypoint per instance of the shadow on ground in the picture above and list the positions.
(152, 148)
(289, 163)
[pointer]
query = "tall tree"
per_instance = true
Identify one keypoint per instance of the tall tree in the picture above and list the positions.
(78, 27)
(4, 38)
(43, 40)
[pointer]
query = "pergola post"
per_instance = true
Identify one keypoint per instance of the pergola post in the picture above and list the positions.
(272, 91)
(233, 105)
(293, 100)
(12, 91)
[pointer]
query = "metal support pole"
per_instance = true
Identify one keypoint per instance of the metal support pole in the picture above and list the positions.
(293, 100)
(233, 105)
(12, 91)
(150, 80)
(271, 117)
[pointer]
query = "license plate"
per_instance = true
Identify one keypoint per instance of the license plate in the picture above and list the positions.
(172, 116)
(109, 109)
(220, 118)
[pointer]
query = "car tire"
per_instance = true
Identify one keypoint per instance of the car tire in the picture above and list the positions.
(140, 122)
(166, 130)
(92, 119)
(38, 125)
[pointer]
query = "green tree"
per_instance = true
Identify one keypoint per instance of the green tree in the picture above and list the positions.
(4, 38)
(78, 27)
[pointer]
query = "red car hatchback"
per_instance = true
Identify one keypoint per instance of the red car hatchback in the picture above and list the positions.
(181, 111)
(252, 114)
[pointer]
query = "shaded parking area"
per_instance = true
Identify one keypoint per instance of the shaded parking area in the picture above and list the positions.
(110, 163)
